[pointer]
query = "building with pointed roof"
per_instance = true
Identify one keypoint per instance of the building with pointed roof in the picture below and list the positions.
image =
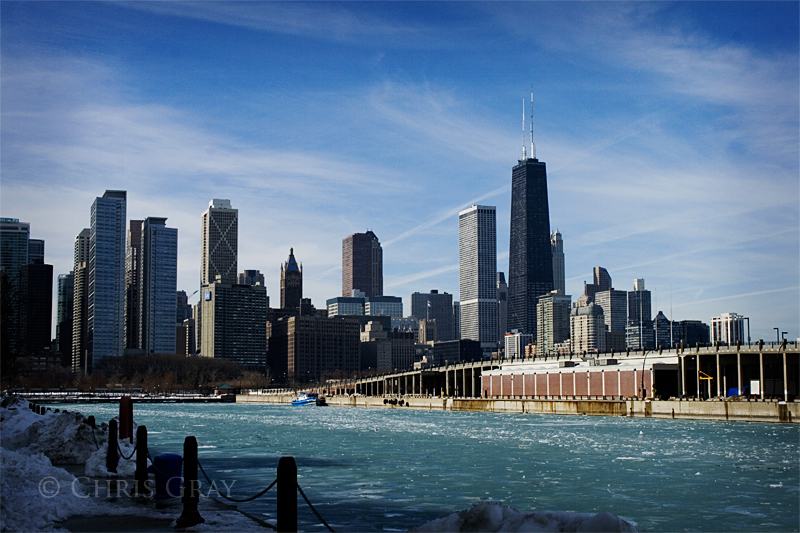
(291, 283)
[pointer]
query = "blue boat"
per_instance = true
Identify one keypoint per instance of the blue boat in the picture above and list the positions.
(307, 398)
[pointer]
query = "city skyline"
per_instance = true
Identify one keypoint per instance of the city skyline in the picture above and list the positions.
(670, 132)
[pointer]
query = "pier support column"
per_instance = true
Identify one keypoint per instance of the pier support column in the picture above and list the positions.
(698, 375)
(785, 379)
(761, 374)
(739, 371)
(682, 361)
(719, 381)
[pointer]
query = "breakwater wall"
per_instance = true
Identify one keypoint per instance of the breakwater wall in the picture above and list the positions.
(753, 411)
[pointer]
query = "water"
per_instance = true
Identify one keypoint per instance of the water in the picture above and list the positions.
(391, 469)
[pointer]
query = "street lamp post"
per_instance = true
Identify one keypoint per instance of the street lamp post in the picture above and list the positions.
(748, 329)
(777, 335)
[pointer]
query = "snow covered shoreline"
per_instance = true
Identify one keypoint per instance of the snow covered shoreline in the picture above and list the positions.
(38, 495)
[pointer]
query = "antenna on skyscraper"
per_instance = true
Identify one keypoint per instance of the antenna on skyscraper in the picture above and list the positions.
(524, 155)
(533, 146)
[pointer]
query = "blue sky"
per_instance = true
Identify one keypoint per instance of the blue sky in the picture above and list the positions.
(670, 132)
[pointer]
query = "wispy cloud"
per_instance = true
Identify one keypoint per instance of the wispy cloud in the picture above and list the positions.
(740, 296)
(315, 20)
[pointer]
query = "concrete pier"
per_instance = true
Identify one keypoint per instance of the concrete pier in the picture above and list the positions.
(753, 411)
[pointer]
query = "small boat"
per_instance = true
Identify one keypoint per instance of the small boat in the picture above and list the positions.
(307, 398)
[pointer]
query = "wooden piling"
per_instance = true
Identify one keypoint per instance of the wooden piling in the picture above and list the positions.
(140, 476)
(191, 488)
(112, 456)
(126, 418)
(287, 495)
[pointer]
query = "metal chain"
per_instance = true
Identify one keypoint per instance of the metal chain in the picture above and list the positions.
(213, 484)
(123, 455)
(97, 446)
(324, 523)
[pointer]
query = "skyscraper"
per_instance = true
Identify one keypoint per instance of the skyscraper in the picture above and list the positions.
(502, 307)
(530, 260)
(105, 326)
(251, 277)
(64, 300)
(291, 283)
(80, 300)
(36, 307)
(436, 306)
(559, 276)
(36, 251)
(219, 243)
(234, 323)
(601, 278)
(639, 331)
(587, 329)
(552, 321)
(362, 264)
(158, 286)
(727, 328)
(477, 251)
(14, 236)
(133, 283)
(615, 313)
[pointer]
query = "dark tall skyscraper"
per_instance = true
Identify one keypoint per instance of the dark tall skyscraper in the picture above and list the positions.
(362, 264)
(435, 306)
(133, 282)
(36, 307)
(530, 262)
(291, 283)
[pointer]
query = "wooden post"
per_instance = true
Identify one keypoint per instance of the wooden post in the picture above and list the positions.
(112, 457)
(287, 495)
(126, 418)
(140, 475)
(191, 489)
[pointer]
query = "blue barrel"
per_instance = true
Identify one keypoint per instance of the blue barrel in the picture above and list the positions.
(167, 469)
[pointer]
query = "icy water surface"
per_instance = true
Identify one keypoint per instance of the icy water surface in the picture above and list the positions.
(391, 469)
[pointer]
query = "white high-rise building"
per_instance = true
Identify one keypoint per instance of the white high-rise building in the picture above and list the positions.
(559, 277)
(477, 250)
(219, 243)
(105, 325)
(219, 249)
(727, 329)
(516, 343)
(80, 299)
(159, 282)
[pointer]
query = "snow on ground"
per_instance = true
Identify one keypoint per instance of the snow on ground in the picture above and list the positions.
(65, 438)
(491, 517)
(35, 495)
(96, 463)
